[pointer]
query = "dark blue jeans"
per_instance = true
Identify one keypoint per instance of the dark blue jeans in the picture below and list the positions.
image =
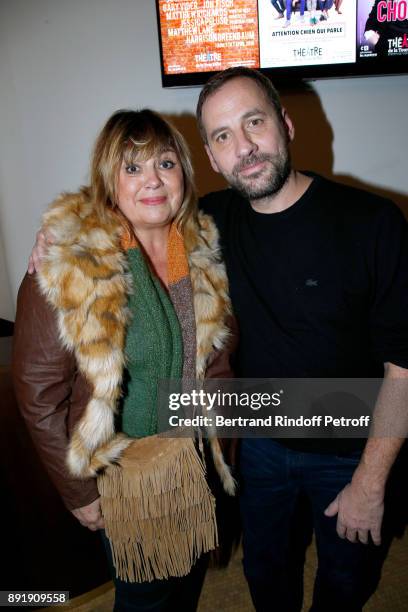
(278, 5)
(289, 8)
(181, 594)
(273, 480)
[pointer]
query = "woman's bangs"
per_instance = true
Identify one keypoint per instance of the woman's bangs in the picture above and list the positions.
(144, 146)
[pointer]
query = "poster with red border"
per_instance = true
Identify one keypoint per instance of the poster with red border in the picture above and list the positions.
(208, 35)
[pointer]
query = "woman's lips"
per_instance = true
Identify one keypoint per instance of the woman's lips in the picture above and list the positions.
(154, 201)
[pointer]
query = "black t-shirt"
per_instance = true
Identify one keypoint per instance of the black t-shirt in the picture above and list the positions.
(319, 289)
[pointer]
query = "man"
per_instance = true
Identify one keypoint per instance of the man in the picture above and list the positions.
(319, 287)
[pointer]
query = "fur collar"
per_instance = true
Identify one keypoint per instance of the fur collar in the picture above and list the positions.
(84, 277)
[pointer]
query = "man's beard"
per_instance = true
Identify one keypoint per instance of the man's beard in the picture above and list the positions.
(266, 182)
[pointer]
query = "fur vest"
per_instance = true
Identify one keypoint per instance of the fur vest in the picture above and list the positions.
(84, 277)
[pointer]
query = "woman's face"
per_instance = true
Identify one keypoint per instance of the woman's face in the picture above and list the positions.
(150, 192)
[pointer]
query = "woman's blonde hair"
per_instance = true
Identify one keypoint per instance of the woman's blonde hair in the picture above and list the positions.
(134, 135)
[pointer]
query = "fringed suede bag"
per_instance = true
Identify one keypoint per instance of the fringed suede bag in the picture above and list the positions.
(158, 509)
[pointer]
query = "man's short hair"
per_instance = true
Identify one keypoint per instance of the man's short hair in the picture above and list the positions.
(218, 80)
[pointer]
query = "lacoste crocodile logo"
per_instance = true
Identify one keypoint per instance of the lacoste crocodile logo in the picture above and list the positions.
(311, 283)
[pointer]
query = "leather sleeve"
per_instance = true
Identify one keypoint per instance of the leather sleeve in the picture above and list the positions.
(50, 393)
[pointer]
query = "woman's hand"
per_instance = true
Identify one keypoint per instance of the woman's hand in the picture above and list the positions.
(43, 241)
(90, 516)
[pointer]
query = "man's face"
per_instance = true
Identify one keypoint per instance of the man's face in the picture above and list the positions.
(247, 141)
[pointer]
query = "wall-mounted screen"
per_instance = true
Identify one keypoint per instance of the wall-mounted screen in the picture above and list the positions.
(287, 39)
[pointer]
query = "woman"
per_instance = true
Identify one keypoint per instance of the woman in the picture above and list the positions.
(134, 277)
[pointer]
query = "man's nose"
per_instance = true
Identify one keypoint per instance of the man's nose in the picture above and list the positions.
(244, 144)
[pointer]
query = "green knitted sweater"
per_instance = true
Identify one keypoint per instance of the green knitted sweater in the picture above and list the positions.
(154, 348)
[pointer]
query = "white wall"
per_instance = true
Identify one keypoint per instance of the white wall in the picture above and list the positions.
(67, 64)
(6, 304)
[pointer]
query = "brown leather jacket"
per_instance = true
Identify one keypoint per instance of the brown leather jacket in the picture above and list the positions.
(52, 394)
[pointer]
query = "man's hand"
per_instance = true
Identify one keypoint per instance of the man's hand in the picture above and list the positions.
(359, 512)
(42, 242)
(360, 505)
(90, 516)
